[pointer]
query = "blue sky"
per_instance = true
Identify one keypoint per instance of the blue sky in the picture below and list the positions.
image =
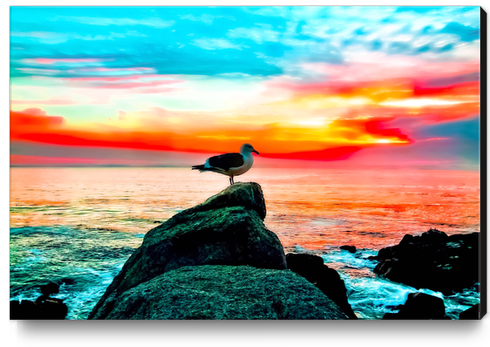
(208, 41)
(204, 79)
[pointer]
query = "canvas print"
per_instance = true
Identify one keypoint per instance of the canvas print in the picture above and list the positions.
(222, 163)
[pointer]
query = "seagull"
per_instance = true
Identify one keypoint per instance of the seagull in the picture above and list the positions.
(230, 164)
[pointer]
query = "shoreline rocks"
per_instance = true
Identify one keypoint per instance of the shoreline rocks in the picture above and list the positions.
(432, 260)
(324, 278)
(420, 306)
(350, 249)
(43, 308)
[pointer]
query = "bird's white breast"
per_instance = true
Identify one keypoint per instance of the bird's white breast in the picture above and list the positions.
(247, 164)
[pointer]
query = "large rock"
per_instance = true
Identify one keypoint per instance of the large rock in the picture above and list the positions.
(245, 194)
(223, 292)
(432, 260)
(43, 308)
(227, 229)
(420, 306)
(351, 249)
(50, 288)
(324, 278)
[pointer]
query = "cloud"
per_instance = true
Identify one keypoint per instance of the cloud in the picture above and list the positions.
(213, 44)
(465, 33)
(384, 71)
(205, 18)
(122, 115)
(64, 60)
(258, 34)
(136, 83)
(450, 145)
(36, 154)
(33, 120)
(51, 101)
(269, 11)
(106, 21)
(473, 76)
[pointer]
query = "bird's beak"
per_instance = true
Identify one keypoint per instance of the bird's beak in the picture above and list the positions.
(256, 152)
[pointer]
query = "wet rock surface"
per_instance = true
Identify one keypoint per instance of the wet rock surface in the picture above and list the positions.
(432, 260)
(44, 307)
(224, 292)
(351, 249)
(420, 306)
(324, 278)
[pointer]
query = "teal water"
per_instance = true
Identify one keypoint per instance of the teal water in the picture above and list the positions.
(79, 226)
(85, 261)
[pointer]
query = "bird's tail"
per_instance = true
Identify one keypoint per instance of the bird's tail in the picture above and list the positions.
(201, 168)
(198, 167)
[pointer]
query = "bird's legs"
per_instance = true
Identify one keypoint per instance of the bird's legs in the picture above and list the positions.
(232, 181)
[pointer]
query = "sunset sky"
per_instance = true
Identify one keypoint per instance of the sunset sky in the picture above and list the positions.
(395, 86)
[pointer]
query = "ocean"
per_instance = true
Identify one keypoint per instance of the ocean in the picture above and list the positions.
(79, 225)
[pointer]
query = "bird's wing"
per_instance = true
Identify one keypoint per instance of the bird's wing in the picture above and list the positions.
(226, 161)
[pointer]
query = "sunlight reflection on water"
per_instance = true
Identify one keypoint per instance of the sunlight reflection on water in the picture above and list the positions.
(306, 207)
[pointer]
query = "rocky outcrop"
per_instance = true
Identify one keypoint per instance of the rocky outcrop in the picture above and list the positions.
(327, 280)
(43, 308)
(432, 260)
(50, 288)
(49, 308)
(351, 249)
(245, 259)
(223, 292)
(420, 306)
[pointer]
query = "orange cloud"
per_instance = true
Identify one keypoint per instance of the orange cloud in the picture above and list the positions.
(33, 120)
(376, 85)
(336, 140)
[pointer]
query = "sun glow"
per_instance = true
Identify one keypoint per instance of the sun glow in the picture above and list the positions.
(419, 103)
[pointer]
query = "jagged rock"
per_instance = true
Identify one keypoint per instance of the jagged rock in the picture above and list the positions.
(223, 292)
(351, 249)
(50, 288)
(420, 306)
(44, 307)
(432, 260)
(47, 308)
(244, 194)
(326, 279)
(227, 229)
(24, 309)
(472, 313)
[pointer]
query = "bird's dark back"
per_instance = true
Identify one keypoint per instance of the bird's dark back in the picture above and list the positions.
(225, 161)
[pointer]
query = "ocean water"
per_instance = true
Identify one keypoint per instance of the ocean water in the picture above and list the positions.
(79, 225)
